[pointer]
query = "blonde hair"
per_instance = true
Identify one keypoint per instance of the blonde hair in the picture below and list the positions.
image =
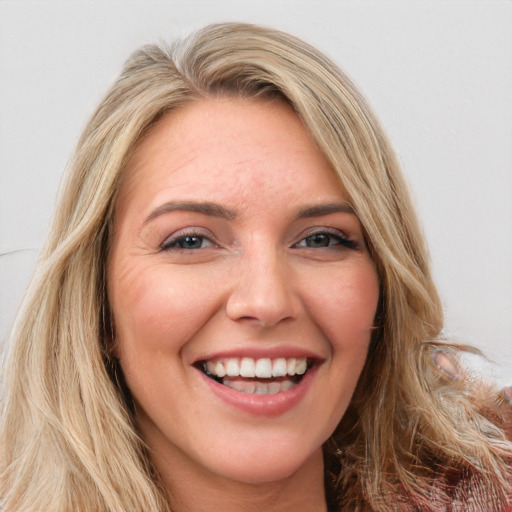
(68, 440)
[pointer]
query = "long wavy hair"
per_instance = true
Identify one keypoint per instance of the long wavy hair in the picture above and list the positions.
(410, 439)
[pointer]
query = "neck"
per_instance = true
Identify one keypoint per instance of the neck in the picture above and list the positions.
(191, 491)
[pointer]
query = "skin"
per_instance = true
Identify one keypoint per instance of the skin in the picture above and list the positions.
(257, 281)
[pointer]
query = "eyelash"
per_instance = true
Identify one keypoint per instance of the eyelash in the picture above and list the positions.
(341, 241)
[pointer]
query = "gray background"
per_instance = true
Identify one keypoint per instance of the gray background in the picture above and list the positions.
(438, 73)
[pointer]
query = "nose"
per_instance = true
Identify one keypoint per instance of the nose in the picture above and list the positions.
(263, 290)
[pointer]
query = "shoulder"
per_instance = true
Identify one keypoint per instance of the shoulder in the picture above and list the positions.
(477, 478)
(490, 393)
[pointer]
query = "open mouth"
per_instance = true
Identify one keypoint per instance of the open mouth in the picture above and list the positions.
(263, 376)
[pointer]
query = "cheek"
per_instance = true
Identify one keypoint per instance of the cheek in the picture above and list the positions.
(346, 304)
(156, 307)
(344, 309)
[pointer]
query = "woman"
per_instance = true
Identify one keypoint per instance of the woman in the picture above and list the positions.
(234, 308)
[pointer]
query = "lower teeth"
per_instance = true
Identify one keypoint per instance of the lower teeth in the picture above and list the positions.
(258, 387)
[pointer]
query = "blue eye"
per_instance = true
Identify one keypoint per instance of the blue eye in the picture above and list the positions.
(190, 242)
(187, 242)
(320, 240)
(326, 240)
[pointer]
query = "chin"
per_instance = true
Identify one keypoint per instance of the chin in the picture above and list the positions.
(272, 466)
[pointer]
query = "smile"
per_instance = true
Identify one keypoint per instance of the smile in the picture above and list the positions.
(263, 376)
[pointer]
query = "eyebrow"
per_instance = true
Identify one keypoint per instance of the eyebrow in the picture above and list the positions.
(210, 209)
(215, 210)
(325, 209)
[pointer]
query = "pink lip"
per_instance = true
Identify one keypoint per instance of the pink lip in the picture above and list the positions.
(262, 405)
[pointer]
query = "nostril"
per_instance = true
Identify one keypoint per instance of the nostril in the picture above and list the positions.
(265, 312)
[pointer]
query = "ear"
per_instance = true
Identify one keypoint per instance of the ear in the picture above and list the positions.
(447, 364)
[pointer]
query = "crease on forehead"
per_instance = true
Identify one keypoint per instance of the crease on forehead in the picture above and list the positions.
(137, 158)
(134, 161)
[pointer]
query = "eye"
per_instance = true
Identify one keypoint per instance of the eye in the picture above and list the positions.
(320, 240)
(326, 240)
(189, 241)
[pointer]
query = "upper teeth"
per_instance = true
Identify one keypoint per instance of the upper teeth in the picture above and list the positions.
(264, 368)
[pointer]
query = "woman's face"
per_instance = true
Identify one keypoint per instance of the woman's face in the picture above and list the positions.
(242, 292)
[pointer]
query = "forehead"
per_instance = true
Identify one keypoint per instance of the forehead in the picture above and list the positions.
(230, 148)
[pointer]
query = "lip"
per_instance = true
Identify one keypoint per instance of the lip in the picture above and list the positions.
(262, 405)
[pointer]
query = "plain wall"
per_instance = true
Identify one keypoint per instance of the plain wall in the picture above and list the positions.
(438, 73)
